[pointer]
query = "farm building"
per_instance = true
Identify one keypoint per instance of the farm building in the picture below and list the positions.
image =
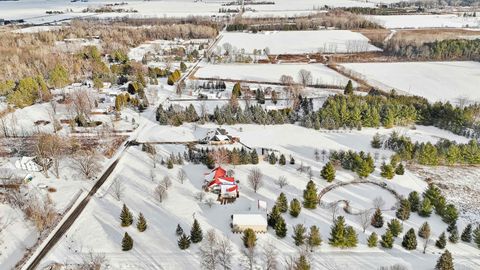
(256, 222)
(217, 181)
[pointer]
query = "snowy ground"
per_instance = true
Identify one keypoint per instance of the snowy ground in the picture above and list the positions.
(426, 21)
(300, 42)
(436, 81)
(98, 227)
(321, 74)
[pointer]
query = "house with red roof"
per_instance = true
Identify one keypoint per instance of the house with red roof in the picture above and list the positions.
(217, 181)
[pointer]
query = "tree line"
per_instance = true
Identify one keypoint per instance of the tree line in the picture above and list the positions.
(449, 49)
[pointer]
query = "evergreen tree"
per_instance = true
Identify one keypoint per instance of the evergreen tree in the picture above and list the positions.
(314, 238)
(273, 216)
(450, 214)
(295, 207)
(452, 226)
(299, 234)
(387, 171)
(302, 263)
(453, 238)
(410, 240)
(249, 238)
(476, 236)
(126, 217)
(414, 200)
(342, 236)
(310, 196)
(141, 223)
(400, 170)
(184, 241)
(349, 88)
(179, 230)
(351, 237)
(467, 234)
(281, 227)
(170, 163)
(292, 161)
(254, 156)
(377, 219)
(272, 159)
(372, 240)
(403, 212)
(328, 172)
(282, 203)
(441, 241)
(395, 227)
(376, 141)
(387, 239)
(237, 90)
(445, 262)
(127, 242)
(426, 208)
(196, 234)
(424, 230)
(282, 161)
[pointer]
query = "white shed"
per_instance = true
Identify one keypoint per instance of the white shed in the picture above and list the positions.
(256, 222)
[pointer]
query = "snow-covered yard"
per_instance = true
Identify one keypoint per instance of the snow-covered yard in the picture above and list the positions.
(426, 21)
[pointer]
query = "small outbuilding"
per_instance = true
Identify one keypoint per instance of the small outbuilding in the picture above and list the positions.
(256, 222)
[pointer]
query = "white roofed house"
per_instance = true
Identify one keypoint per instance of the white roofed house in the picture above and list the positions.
(256, 222)
(219, 136)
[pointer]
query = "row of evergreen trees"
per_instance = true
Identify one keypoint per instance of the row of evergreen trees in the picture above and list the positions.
(449, 49)
(184, 240)
(126, 219)
(360, 163)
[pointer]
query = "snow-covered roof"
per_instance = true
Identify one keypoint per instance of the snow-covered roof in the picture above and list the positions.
(249, 219)
(27, 163)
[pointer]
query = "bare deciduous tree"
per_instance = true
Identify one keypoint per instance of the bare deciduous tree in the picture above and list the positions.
(210, 202)
(92, 261)
(208, 251)
(255, 178)
(270, 254)
(305, 77)
(199, 196)
(87, 161)
(225, 251)
(160, 192)
(378, 202)
(281, 181)
(364, 218)
(334, 208)
(181, 175)
(117, 189)
(166, 182)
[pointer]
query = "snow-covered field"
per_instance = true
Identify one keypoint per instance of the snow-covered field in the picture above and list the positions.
(321, 74)
(436, 81)
(300, 42)
(98, 229)
(426, 21)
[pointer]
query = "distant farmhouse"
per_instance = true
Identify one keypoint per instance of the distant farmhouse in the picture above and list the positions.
(219, 136)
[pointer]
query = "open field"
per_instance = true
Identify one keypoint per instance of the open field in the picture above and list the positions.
(426, 21)
(436, 81)
(299, 42)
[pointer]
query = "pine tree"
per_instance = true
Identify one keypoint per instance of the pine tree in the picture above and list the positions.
(282, 161)
(126, 217)
(127, 242)
(184, 241)
(249, 238)
(299, 234)
(295, 208)
(445, 262)
(273, 217)
(377, 219)
(302, 263)
(410, 240)
(452, 226)
(281, 228)
(351, 237)
(476, 236)
(441, 241)
(403, 212)
(387, 171)
(170, 163)
(387, 239)
(424, 230)
(414, 200)
(254, 156)
(342, 236)
(282, 203)
(314, 238)
(196, 234)
(237, 90)
(349, 88)
(453, 238)
(292, 161)
(141, 223)
(395, 227)
(372, 240)
(426, 208)
(310, 196)
(467, 234)
(328, 172)
(450, 214)
(179, 230)
(400, 170)
(376, 141)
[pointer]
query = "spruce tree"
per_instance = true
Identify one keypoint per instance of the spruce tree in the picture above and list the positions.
(351, 237)
(467, 234)
(453, 237)
(302, 263)
(377, 219)
(196, 234)
(282, 160)
(441, 241)
(445, 262)
(292, 161)
(400, 170)
(403, 212)
(184, 241)
(273, 216)
(452, 226)
(310, 196)
(410, 240)
(281, 227)
(179, 230)
(414, 200)
(349, 88)
(426, 208)
(387, 171)
(314, 238)
(170, 163)
(476, 236)
(127, 242)
(450, 214)
(141, 223)
(395, 227)
(126, 217)
(272, 159)
(282, 203)
(237, 90)
(372, 240)
(376, 141)
(424, 230)
(254, 156)
(299, 234)
(249, 238)
(342, 236)
(387, 239)
(295, 207)
(328, 172)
